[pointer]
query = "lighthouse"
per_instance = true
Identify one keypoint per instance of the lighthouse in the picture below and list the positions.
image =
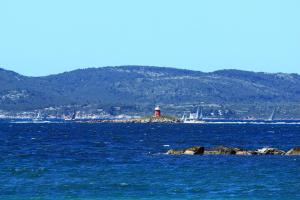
(157, 111)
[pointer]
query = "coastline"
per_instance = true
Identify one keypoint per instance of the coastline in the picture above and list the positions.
(152, 120)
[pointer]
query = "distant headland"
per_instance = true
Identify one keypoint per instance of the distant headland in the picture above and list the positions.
(126, 92)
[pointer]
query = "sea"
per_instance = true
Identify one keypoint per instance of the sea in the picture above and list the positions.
(129, 161)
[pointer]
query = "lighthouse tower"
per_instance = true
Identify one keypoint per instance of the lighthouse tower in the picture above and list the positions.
(157, 111)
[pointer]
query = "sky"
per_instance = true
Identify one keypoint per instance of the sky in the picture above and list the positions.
(52, 36)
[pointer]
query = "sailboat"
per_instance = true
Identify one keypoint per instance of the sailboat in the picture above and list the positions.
(193, 118)
(272, 116)
(72, 118)
(39, 118)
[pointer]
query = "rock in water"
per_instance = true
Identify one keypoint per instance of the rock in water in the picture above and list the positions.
(194, 150)
(222, 150)
(270, 151)
(245, 152)
(175, 152)
(210, 152)
(293, 151)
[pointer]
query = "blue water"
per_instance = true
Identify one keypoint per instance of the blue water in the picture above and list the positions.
(126, 161)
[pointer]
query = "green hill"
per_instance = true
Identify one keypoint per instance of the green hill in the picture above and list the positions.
(136, 89)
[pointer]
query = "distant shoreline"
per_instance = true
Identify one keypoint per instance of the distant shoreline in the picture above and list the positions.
(142, 121)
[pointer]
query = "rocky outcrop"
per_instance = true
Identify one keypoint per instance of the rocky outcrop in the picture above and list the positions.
(175, 152)
(223, 150)
(293, 151)
(143, 120)
(270, 151)
(246, 152)
(196, 150)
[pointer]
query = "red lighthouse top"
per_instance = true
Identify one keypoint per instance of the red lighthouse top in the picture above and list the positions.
(157, 111)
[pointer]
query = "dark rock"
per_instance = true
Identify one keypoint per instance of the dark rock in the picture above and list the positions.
(223, 150)
(196, 150)
(293, 151)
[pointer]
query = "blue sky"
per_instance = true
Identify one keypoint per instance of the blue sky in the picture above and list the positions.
(46, 37)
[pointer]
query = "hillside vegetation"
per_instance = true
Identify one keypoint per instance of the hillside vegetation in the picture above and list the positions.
(138, 88)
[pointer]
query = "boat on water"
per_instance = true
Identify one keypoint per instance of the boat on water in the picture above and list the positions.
(71, 118)
(39, 119)
(197, 118)
(193, 118)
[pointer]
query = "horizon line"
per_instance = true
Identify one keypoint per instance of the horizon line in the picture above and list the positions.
(153, 66)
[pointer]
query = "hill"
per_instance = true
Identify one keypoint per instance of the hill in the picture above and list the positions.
(136, 89)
